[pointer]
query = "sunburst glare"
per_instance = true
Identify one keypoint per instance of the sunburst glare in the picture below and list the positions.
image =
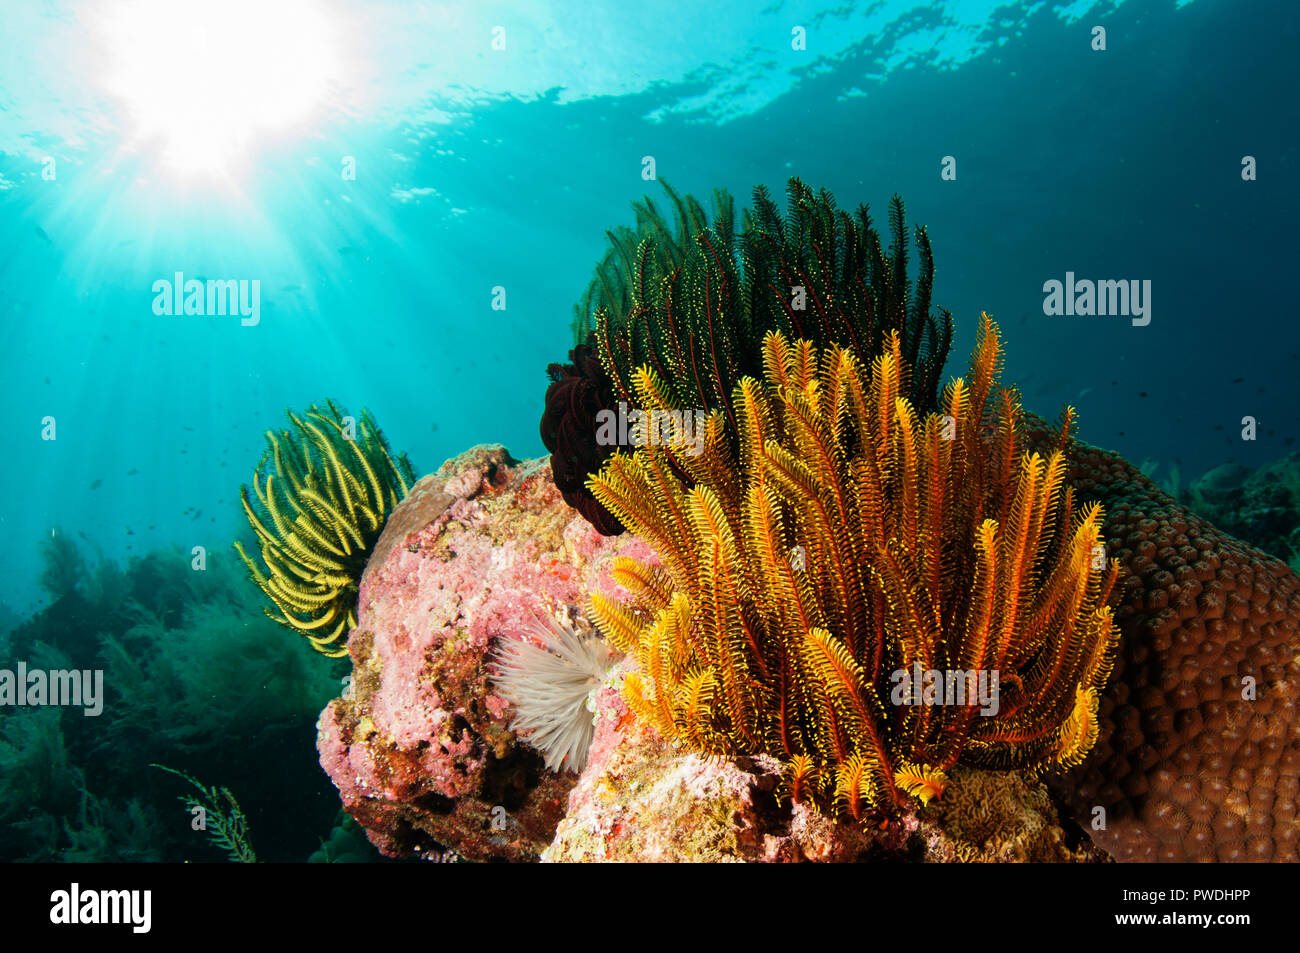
(205, 82)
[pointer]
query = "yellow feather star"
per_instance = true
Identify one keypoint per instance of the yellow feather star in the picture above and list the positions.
(847, 546)
(323, 493)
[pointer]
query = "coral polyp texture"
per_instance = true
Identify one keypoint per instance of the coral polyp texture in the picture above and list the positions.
(692, 300)
(849, 553)
(1198, 756)
(318, 503)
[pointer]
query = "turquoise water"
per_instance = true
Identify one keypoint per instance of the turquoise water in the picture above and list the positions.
(480, 168)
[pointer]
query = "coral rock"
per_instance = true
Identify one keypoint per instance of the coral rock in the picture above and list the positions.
(419, 745)
(1001, 816)
(1189, 766)
(640, 799)
(1259, 506)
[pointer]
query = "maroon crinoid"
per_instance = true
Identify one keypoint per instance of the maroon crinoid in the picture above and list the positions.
(579, 391)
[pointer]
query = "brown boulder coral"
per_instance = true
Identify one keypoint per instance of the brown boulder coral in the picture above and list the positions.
(1193, 761)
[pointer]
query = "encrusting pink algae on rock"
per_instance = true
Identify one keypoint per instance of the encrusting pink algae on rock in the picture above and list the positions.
(419, 745)
(421, 749)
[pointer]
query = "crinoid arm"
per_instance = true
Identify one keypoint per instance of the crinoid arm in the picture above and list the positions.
(318, 502)
(866, 592)
(687, 298)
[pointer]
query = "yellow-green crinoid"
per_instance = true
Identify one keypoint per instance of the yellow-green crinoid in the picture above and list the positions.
(319, 500)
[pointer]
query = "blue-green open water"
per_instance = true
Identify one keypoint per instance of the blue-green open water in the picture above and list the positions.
(478, 168)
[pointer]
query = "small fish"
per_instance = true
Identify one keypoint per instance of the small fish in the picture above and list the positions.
(132, 472)
(97, 484)
(43, 235)
(1238, 380)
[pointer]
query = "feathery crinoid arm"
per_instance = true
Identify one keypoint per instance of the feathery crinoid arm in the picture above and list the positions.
(851, 544)
(319, 500)
(689, 298)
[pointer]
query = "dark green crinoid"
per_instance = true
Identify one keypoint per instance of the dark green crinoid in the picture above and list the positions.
(323, 492)
(694, 299)
(689, 296)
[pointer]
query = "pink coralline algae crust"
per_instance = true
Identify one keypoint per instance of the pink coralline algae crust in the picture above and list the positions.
(419, 745)
(641, 800)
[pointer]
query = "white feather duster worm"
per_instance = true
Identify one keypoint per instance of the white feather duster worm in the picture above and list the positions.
(552, 685)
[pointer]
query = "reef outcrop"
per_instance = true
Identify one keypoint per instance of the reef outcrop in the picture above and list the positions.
(1198, 751)
(642, 799)
(419, 744)
(1260, 506)
(420, 747)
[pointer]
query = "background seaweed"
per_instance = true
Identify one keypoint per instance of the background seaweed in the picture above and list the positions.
(196, 676)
